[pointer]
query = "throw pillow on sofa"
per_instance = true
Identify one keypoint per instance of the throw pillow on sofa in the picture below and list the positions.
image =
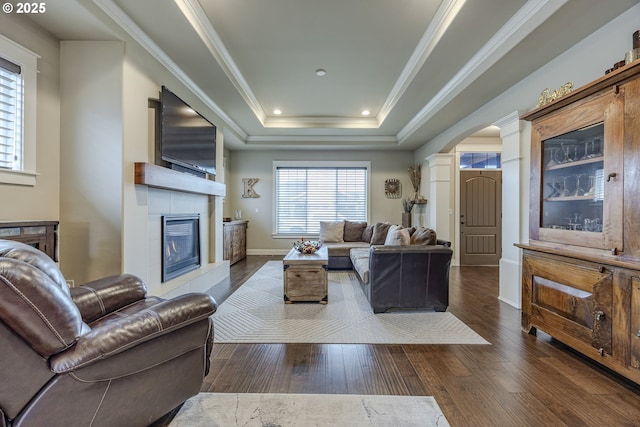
(380, 231)
(397, 235)
(331, 231)
(423, 236)
(353, 230)
(367, 234)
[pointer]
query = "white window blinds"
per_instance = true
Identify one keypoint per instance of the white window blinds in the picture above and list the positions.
(10, 115)
(307, 195)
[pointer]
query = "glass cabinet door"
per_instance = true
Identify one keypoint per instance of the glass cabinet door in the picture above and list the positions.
(573, 180)
(578, 175)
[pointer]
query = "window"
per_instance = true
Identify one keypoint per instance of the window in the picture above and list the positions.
(310, 192)
(480, 161)
(10, 115)
(18, 91)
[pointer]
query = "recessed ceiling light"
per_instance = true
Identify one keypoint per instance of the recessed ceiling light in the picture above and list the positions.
(320, 72)
(277, 111)
(366, 112)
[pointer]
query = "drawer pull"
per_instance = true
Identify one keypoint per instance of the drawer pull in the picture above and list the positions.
(614, 251)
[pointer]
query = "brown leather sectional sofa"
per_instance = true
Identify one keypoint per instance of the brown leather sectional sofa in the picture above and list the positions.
(398, 268)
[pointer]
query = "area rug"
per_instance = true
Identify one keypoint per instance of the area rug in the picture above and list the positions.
(249, 409)
(256, 313)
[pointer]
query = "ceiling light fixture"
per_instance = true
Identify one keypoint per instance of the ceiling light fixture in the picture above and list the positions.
(320, 72)
(277, 111)
(366, 112)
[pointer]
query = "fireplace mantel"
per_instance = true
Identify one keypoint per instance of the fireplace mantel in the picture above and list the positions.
(160, 177)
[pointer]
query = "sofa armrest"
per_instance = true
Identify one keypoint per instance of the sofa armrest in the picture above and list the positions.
(100, 297)
(115, 337)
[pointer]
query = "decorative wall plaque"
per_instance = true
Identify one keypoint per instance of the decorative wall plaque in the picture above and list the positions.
(249, 192)
(393, 188)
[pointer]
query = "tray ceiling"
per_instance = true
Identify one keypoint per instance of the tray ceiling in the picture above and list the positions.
(416, 66)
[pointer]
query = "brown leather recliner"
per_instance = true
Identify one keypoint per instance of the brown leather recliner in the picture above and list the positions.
(101, 354)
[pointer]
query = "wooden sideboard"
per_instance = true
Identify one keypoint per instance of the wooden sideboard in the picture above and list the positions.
(235, 241)
(42, 235)
(581, 266)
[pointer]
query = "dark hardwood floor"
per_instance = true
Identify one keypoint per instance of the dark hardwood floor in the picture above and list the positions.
(518, 380)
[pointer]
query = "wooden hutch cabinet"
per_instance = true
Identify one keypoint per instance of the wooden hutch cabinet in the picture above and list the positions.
(234, 241)
(581, 267)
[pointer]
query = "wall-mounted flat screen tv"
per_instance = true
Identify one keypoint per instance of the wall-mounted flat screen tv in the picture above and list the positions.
(187, 138)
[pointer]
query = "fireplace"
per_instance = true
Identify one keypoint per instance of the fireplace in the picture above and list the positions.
(180, 245)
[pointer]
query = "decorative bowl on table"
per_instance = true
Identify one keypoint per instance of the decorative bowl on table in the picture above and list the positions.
(307, 246)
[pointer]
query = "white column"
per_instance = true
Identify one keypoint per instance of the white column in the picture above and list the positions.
(440, 195)
(419, 211)
(510, 290)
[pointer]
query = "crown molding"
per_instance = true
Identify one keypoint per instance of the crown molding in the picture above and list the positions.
(510, 118)
(382, 141)
(443, 18)
(527, 19)
(122, 19)
(530, 16)
(321, 122)
(197, 17)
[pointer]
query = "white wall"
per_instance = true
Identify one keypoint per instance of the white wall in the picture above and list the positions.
(259, 211)
(110, 224)
(91, 159)
(515, 171)
(39, 202)
(143, 207)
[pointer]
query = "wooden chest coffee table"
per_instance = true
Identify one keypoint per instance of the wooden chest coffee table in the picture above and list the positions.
(305, 276)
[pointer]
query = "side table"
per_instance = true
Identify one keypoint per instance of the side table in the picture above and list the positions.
(42, 235)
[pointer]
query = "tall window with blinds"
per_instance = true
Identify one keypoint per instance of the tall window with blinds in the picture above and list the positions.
(307, 195)
(10, 115)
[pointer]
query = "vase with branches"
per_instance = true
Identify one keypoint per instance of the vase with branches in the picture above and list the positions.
(407, 206)
(415, 176)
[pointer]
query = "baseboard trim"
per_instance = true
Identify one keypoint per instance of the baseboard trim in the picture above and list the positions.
(267, 251)
(510, 283)
(511, 303)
